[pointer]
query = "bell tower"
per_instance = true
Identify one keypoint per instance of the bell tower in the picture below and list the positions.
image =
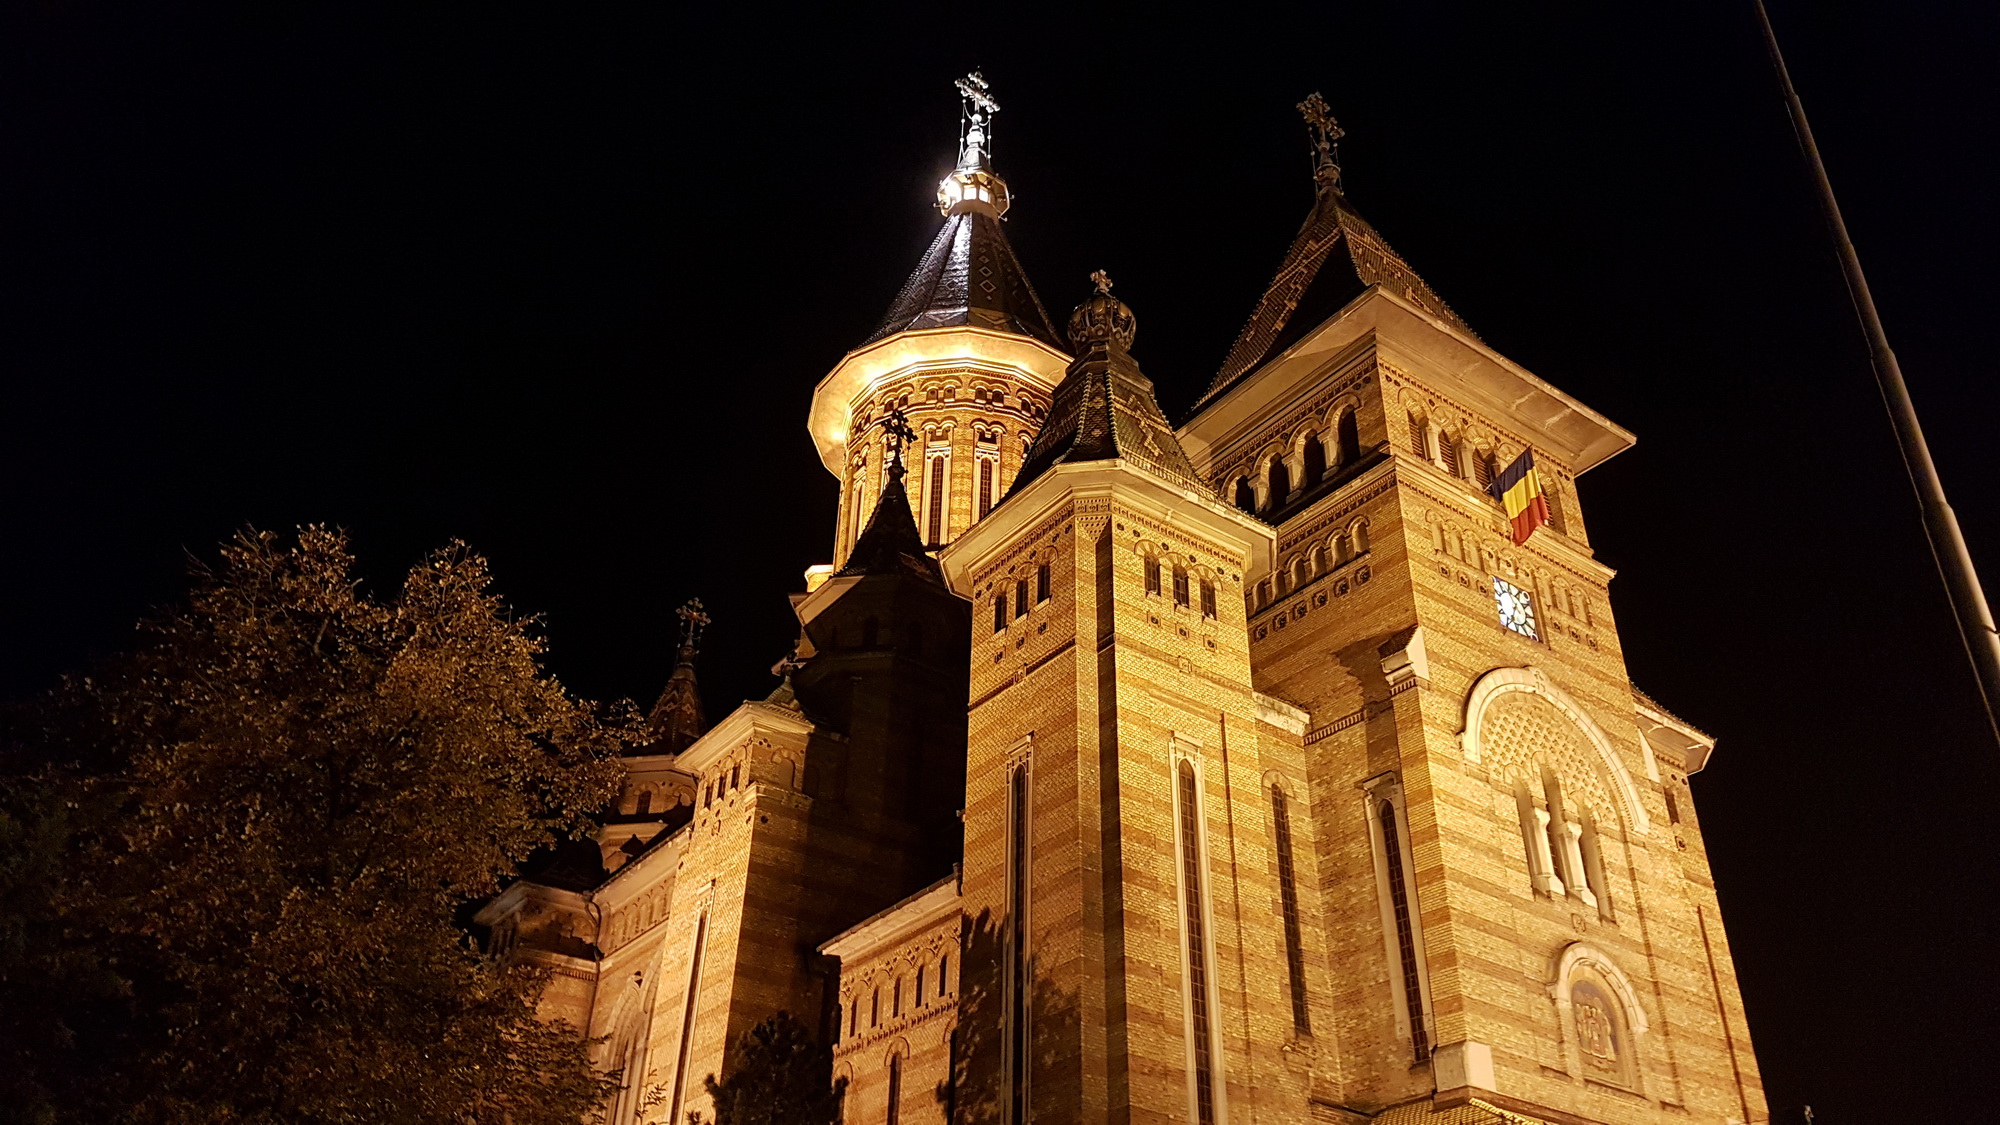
(1514, 902)
(966, 352)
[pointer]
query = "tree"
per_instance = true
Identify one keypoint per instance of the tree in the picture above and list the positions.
(779, 1074)
(311, 784)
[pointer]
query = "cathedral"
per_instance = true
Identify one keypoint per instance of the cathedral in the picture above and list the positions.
(1279, 765)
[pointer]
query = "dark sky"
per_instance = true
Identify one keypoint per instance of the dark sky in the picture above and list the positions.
(561, 283)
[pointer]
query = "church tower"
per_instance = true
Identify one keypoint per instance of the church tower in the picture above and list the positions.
(966, 352)
(1510, 887)
(1119, 855)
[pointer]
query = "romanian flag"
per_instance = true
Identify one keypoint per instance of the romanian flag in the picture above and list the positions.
(1519, 490)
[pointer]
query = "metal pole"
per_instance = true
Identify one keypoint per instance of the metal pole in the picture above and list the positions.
(1954, 562)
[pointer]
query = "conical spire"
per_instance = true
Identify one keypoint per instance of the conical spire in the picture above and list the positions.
(890, 543)
(1316, 281)
(969, 276)
(1104, 408)
(677, 719)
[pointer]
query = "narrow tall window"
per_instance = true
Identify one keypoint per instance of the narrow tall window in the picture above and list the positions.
(646, 801)
(936, 501)
(1208, 599)
(1406, 934)
(1021, 598)
(985, 486)
(1419, 437)
(875, 1007)
(1593, 866)
(1180, 586)
(1152, 575)
(920, 986)
(1482, 468)
(1000, 613)
(1673, 808)
(1288, 902)
(1347, 439)
(1017, 943)
(854, 1017)
(1041, 583)
(895, 1089)
(1195, 925)
(944, 974)
(687, 1018)
(1448, 452)
(1555, 504)
(896, 998)
(1246, 494)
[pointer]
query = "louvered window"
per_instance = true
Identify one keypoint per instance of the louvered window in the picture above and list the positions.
(1420, 443)
(1208, 599)
(1288, 903)
(1448, 452)
(1482, 468)
(1180, 586)
(1195, 927)
(1152, 575)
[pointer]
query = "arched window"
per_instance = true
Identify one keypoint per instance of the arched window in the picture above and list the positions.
(895, 1089)
(1180, 586)
(1000, 613)
(934, 499)
(1152, 574)
(1208, 599)
(1298, 573)
(1041, 583)
(920, 986)
(1315, 460)
(1420, 442)
(1288, 907)
(1347, 439)
(1406, 934)
(1020, 597)
(1195, 930)
(1359, 533)
(646, 801)
(1448, 452)
(1593, 866)
(1281, 483)
(1246, 494)
(1483, 470)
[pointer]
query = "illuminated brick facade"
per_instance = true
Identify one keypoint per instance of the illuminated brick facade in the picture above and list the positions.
(1191, 774)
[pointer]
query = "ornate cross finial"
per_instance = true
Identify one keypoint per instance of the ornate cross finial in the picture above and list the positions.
(1325, 133)
(1102, 280)
(978, 110)
(693, 621)
(895, 431)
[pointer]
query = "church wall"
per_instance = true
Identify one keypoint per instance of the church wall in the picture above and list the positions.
(900, 1000)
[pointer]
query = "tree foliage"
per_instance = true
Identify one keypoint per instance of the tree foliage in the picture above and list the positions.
(309, 785)
(779, 1074)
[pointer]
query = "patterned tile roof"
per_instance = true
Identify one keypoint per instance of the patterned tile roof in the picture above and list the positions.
(969, 276)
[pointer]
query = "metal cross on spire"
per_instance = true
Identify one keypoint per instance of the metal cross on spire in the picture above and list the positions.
(693, 621)
(978, 109)
(1325, 133)
(1102, 280)
(895, 431)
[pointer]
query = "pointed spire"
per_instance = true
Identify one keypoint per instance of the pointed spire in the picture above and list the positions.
(1318, 278)
(1104, 408)
(969, 276)
(677, 720)
(890, 544)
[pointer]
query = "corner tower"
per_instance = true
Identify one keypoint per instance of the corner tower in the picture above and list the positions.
(1515, 904)
(966, 351)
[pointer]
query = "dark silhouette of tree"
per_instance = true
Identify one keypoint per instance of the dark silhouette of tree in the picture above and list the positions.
(779, 1074)
(293, 791)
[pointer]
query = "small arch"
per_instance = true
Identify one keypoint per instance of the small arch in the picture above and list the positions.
(1357, 534)
(1313, 460)
(1280, 483)
(1346, 438)
(1246, 494)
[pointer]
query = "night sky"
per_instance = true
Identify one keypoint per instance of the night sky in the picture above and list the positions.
(560, 285)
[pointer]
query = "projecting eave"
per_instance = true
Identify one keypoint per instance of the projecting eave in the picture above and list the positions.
(1430, 350)
(867, 369)
(936, 901)
(752, 718)
(1671, 736)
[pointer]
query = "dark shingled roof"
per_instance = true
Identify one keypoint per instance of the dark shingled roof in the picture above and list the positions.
(969, 276)
(1335, 257)
(890, 543)
(1104, 409)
